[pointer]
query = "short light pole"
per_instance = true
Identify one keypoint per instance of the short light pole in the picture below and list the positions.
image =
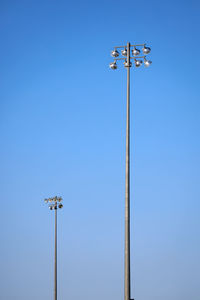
(129, 53)
(54, 204)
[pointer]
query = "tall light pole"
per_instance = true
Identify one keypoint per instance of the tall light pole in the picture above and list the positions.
(129, 52)
(54, 204)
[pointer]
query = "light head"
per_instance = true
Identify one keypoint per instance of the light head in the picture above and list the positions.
(147, 63)
(146, 50)
(138, 63)
(135, 51)
(113, 65)
(126, 65)
(114, 53)
(124, 52)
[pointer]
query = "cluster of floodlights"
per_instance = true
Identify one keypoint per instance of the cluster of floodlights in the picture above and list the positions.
(54, 202)
(135, 56)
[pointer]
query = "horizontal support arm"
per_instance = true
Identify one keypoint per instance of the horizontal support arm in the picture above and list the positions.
(135, 57)
(139, 45)
(119, 58)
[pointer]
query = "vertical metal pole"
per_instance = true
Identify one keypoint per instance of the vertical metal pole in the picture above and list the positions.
(55, 262)
(127, 187)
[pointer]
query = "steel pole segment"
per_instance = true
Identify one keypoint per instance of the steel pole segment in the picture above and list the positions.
(55, 261)
(127, 187)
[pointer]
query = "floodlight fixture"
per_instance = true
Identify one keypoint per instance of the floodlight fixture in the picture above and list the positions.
(124, 52)
(146, 50)
(126, 64)
(135, 51)
(138, 63)
(114, 53)
(113, 65)
(147, 63)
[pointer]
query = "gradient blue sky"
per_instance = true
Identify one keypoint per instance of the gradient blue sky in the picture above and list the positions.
(63, 132)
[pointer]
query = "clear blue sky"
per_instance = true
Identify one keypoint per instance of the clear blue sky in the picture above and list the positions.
(63, 133)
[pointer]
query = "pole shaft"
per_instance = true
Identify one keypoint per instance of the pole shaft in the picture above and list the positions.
(55, 262)
(127, 187)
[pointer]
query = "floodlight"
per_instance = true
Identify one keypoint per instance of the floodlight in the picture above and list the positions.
(146, 50)
(138, 63)
(114, 53)
(124, 52)
(127, 65)
(135, 51)
(147, 63)
(113, 65)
